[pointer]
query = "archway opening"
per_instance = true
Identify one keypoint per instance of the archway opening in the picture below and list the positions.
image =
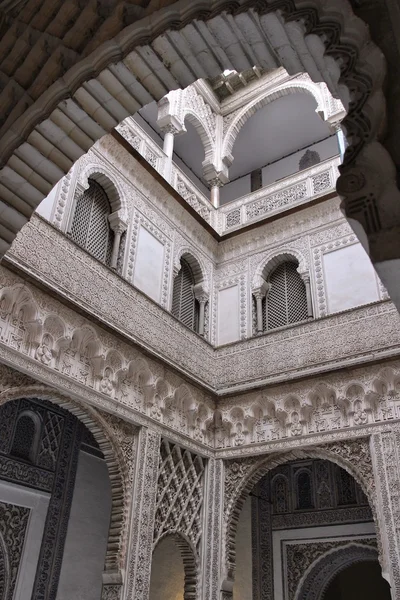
(55, 502)
(298, 514)
(359, 581)
(282, 137)
(188, 149)
(173, 570)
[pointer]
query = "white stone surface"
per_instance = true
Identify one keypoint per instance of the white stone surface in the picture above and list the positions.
(350, 278)
(149, 264)
(46, 207)
(388, 272)
(86, 542)
(228, 315)
(289, 165)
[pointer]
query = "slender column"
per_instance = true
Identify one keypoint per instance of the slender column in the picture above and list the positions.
(169, 142)
(216, 184)
(169, 151)
(118, 226)
(170, 122)
(259, 300)
(306, 278)
(115, 250)
(212, 549)
(142, 515)
(266, 311)
(201, 316)
(260, 289)
(385, 453)
(201, 294)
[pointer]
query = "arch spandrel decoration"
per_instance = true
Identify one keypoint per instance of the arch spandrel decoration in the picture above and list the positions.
(243, 474)
(116, 441)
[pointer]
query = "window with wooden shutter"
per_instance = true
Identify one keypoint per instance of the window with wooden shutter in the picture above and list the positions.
(90, 227)
(287, 299)
(184, 304)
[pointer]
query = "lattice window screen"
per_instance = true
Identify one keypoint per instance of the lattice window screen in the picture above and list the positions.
(184, 304)
(90, 228)
(287, 299)
(179, 493)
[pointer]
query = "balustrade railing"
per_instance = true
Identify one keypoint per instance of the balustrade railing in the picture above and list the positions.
(289, 192)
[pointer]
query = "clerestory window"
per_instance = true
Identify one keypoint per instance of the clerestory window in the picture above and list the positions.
(90, 227)
(184, 304)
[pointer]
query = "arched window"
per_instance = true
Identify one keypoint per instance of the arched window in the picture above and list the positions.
(304, 491)
(25, 440)
(184, 305)
(90, 227)
(287, 298)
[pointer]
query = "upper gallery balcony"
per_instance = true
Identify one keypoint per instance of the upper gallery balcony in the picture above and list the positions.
(241, 158)
(297, 189)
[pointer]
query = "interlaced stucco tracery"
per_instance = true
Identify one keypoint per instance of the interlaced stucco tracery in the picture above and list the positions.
(179, 508)
(179, 494)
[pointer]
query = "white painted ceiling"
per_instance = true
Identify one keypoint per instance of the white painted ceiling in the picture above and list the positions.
(276, 130)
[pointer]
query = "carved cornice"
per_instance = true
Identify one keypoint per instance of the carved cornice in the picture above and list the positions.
(55, 345)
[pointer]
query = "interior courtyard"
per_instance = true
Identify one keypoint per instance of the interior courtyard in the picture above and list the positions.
(199, 300)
